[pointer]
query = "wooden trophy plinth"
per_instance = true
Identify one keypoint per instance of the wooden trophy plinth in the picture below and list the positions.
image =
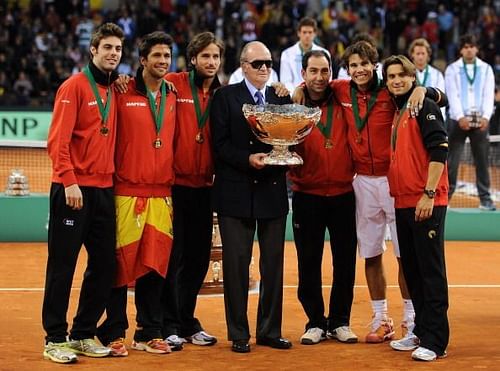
(214, 282)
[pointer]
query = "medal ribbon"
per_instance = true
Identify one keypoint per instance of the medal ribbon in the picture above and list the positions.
(360, 123)
(426, 75)
(326, 128)
(470, 79)
(103, 110)
(158, 114)
(201, 118)
(302, 52)
(394, 135)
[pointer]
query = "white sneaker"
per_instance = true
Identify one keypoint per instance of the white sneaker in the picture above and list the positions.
(312, 336)
(409, 342)
(343, 334)
(427, 355)
(201, 338)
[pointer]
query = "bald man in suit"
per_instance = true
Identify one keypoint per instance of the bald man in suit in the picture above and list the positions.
(249, 196)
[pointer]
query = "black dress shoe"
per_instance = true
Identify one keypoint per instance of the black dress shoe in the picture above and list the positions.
(278, 343)
(240, 346)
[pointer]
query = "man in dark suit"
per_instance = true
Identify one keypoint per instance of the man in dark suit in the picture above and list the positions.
(247, 196)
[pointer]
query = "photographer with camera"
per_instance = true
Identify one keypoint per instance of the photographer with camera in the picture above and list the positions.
(470, 86)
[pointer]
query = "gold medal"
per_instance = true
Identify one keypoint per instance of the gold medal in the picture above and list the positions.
(104, 130)
(157, 143)
(328, 143)
(199, 137)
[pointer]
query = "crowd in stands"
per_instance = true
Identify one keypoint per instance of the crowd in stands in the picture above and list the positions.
(43, 42)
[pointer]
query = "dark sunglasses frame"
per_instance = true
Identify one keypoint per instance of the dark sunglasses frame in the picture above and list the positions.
(257, 64)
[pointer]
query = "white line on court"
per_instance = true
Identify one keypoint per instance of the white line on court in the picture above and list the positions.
(39, 289)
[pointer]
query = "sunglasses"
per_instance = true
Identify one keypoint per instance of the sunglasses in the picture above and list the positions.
(257, 65)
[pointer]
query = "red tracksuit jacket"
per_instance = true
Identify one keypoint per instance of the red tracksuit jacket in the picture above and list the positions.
(193, 165)
(141, 169)
(79, 153)
(326, 171)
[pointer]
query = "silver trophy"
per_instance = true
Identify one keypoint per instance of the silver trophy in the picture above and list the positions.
(17, 184)
(281, 126)
(473, 117)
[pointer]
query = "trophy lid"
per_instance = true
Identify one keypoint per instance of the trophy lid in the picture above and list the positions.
(285, 110)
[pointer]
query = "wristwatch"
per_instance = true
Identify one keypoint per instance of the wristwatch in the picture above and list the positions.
(430, 193)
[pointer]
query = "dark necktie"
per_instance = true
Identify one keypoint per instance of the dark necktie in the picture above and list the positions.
(259, 98)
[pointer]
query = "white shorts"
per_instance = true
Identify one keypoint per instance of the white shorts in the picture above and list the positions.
(374, 211)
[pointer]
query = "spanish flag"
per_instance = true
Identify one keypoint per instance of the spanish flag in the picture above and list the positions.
(144, 237)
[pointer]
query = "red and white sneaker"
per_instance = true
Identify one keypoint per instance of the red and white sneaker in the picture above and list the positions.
(382, 329)
(118, 348)
(157, 346)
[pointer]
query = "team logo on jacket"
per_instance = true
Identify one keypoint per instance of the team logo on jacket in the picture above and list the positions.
(431, 234)
(135, 104)
(185, 100)
(94, 102)
(430, 116)
(68, 222)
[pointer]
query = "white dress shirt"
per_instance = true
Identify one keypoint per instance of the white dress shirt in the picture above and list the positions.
(291, 65)
(464, 97)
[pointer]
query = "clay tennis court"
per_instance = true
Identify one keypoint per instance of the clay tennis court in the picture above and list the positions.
(473, 276)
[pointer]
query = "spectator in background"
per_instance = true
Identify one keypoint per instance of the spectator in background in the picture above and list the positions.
(42, 86)
(23, 89)
(83, 32)
(445, 22)
(430, 31)
(248, 27)
(291, 58)
(470, 85)
(128, 25)
(5, 88)
(412, 31)
(426, 75)
(420, 52)
(275, 21)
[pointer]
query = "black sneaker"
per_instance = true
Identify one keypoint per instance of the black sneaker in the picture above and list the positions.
(487, 205)
(175, 342)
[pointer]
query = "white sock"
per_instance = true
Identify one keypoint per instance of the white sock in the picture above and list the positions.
(380, 308)
(408, 311)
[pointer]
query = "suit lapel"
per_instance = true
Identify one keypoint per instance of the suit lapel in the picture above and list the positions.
(270, 95)
(244, 95)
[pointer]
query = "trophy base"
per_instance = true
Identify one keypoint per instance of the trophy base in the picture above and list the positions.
(280, 155)
(17, 192)
(214, 280)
